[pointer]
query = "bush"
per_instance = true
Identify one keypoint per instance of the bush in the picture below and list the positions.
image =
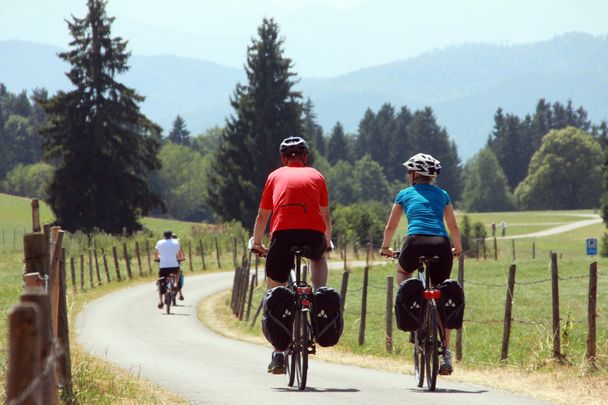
(28, 180)
(359, 222)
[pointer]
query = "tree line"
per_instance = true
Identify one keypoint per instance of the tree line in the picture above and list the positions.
(109, 164)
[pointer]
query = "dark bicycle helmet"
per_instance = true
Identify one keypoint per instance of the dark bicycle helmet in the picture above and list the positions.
(424, 164)
(294, 145)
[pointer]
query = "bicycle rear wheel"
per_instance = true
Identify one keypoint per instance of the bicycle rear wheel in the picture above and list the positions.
(419, 364)
(431, 352)
(304, 339)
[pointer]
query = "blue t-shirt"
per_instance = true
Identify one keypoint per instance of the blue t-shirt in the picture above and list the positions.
(423, 205)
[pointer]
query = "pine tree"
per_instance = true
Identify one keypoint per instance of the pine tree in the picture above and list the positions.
(312, 130)
(266, 110)
(179, 133)
(337, 146)
(104, 146)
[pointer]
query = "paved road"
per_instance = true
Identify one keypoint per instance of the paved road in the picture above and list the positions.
(179, 353)
(595, 219)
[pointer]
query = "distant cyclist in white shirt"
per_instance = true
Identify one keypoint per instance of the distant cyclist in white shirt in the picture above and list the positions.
(167, 254)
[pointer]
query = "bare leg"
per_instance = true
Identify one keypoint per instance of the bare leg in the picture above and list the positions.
(318, 272)
(402, 275)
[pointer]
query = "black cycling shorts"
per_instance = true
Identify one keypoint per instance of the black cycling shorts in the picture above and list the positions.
(164, 272)
(429, 246)
(279, 261)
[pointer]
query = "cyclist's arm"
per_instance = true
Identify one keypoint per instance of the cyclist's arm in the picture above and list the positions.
(327, 220)
(260, 225)
(450, 220)
(391, 226)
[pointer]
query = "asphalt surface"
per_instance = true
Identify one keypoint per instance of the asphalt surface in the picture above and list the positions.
(179, 353)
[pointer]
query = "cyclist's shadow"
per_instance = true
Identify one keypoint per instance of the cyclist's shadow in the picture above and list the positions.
(313, 389)
(448, 391)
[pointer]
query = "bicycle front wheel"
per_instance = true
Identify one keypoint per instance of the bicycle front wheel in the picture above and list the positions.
(431, 352)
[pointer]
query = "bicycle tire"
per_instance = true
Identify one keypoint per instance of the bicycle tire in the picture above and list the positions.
(291, 353)
(168, 299)
(419, 363)
(431, 348)
(304, 338)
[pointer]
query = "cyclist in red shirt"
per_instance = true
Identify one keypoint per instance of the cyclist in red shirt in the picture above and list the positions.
(296, 196)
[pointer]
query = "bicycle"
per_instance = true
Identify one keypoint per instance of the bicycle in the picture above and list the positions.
(302, 341)
(429, 340)
(170, 291)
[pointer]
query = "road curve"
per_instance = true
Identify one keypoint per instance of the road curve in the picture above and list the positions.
(179, 353)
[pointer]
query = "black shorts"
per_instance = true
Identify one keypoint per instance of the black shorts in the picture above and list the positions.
(427, 245)
(164, 272)
(279, 261)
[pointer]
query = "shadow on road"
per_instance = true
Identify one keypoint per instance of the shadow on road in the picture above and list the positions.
(313, 389)
(448, 391)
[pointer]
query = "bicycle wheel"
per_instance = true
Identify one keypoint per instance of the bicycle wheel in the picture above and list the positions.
(292, 352)
(431, 353)
(168, 299)
(419, 356)
(302, 359)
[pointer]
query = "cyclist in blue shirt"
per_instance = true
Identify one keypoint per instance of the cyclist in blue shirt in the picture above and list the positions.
(428, 209)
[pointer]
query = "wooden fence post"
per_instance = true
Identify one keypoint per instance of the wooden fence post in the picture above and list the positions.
(33, 253)
(116, 263)
(97, 267)
(149, 259)
(234, 253)
(105, 265)
(592, 316)
(64, 363)
(217, 253)
(343, 290)
(459, 331)
(190, 255)
(235, 288)
(477, 248)
(141, 271)
(127, 261)
(508, 312)
(24, 353)
(81, 272)
(389, 313)
(54, 279)
(91, 268)
(363, 306)
(257, 312)
(533, 250)
(513, 248)
(555, 300)
(251, 286)
(35, 215)
(73, 273)
(202, 249)
(243, 293)
(495, 249)
(41, 299)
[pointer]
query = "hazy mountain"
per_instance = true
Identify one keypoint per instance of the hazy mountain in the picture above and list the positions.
(464, 84)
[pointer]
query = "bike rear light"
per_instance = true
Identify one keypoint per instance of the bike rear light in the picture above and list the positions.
(305, 303)
(304, 290)
(432, 294)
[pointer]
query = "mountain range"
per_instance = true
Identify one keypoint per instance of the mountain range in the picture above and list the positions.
(463, 84)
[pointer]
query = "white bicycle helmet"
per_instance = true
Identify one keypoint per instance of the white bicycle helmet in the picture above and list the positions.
(424, 164)
(294, 145)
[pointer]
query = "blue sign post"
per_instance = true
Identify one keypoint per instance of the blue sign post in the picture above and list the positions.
(591, 247)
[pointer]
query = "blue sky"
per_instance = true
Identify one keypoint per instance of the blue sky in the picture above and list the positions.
(323, 37)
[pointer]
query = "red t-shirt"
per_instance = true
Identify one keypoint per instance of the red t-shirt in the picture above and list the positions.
(295, 194)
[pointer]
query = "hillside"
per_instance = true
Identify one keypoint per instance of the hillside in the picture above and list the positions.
(464, 84)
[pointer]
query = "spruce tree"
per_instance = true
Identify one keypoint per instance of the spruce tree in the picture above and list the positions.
(312, 130)
(337, 145)
(266, 110)
(179, 133)
(103, 145)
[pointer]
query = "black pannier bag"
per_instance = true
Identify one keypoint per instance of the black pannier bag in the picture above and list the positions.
(451, 304)
(408, 306)
(277, 320)
(327, 322)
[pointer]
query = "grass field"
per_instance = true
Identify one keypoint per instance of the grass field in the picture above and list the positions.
(485, 286)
